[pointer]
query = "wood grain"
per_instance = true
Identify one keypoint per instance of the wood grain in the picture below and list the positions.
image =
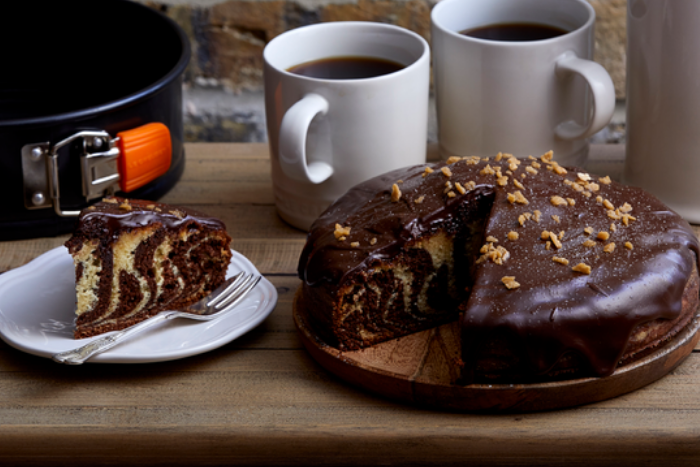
(262, 400)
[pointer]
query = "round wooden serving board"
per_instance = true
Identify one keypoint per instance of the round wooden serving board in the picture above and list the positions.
(419, 369)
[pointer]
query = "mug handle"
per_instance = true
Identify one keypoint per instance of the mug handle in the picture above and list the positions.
(603, 91)
(292, 141)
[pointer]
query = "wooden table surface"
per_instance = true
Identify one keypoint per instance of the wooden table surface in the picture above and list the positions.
(262, 400)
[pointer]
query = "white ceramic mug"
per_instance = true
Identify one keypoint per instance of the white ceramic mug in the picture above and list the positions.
(327, 135)
(523, 98)
(663, 102)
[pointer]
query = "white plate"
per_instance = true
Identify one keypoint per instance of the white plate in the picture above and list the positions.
(37, 309)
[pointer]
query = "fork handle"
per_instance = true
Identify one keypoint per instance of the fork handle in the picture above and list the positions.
(81, 354)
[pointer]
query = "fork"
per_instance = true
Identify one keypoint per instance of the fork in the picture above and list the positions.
(216, 304)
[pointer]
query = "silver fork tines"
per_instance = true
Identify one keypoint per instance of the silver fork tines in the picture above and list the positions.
(218, 303)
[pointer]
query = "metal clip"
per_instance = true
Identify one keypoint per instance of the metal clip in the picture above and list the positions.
(98, 167)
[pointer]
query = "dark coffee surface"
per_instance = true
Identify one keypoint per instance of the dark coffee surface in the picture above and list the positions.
(555, 309)
(515, 32)
(346, 68)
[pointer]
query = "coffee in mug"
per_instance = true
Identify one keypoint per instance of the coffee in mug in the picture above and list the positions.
(515, 32)
(346, 68)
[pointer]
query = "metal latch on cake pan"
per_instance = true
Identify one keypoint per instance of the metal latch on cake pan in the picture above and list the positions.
(130, 160)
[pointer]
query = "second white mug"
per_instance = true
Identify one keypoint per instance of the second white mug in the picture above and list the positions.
(523, 97)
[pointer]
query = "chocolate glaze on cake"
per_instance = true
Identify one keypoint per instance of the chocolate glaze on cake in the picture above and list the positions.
(135, 258)
(556, 310)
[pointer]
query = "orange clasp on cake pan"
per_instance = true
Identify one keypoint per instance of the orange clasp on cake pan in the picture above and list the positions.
(129, 161)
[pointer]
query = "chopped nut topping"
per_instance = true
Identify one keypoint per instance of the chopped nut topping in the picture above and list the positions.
(547, 156)
(613, 227)
(521, 219)
(428, 170)
(599, 199)
(594, 187)
(605, 180)
(509, 172)
(628, 245)
(470, 185)
(571, 201)
(587, 194)
(608, 205)
(556, 218)
(531, 170)
(536, 165)
(448, 186)
(341, 231)
(512, 235)
(544, 235)
(451, 194)
(446, 171)
(588, 230)
(395, 193)
(518, 184)
(582, 268)
(373, 241)
(125, 206)
(488, 170)
(453, 159)
(523, 175)
(578, 188)
(460, 188)
(519, 198)
(511, 198)
(151, 206)
(609, 248)
(176, 213)
(342, 239)
(537, 215)
(555, 240)
(568, 182)
(626, 218)
(498, 157)
(559, 260)
(510, 282)
(419, 199)
(559, 170)
(497, 255)
(558, 201)
(589, 243)
(625, 208)
(491, 239)
(548, 245)
(615, 216)
(583, 176)
(91, 208)
(355, 244)
(157, 209)
(561, 234)
(110, 200)
(502, 181)
(603, 235)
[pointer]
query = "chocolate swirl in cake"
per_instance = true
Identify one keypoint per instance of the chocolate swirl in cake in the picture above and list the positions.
(556, 261)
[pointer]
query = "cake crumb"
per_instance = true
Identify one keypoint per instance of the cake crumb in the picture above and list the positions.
(582, 268)
(609, 248)
(341, 231)
(419, 199)
(628, 245)
(355, 244)
(605, 180)
(560, 260)
(446, 171)
(512, 235)
(510, 282)
(395, 193)
(603, 235)
(558, 201)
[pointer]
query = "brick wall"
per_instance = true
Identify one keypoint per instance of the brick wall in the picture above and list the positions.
(228, 38)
